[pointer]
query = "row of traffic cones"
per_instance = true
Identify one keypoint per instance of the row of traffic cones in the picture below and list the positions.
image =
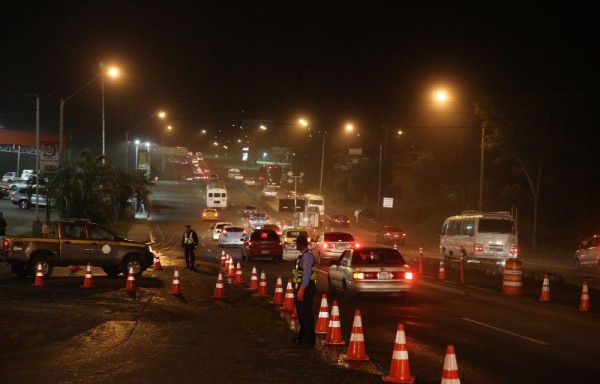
(584, 304)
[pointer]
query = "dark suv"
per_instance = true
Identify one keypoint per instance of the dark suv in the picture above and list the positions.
(262, 243)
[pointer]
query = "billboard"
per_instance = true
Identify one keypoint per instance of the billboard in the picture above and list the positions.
(48, 158)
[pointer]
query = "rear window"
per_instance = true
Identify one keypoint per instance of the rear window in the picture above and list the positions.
(265, 235)
(392, 229)
(295, 234)
(234, 229)
(495, 226)
(339, 237)
(316, 202)
(379, 256)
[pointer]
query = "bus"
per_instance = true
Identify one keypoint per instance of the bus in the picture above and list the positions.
(216, 196)
(479, 236)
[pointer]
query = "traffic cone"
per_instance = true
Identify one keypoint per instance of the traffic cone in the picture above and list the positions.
(87, 281)
(278, 296)
(39, 276)
(219, 290)
(157, 264)
(176, 287)
(442, 272)
(239, 278)
(223, 260)
(545, 296)
(262, 286)
(323, 320)
(75, 268)
(295, 315)
(253, 286)
(399, 369)
(230, 272)
(288, 301)
(450, 373)
(334, 333)
(130, 285)
(356, 347)
(584, 305)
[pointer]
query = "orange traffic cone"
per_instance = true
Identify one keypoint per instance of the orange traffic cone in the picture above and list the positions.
(323, 320)
(39, 276)
(262, 286)
(356, 347)
(239, 278)
(157, 264)
(442, 272)
(176, 287)
(584, 305)
(450, 373)
(334, 333)
(545, 296)
(230, 272)
(288, 301)
(253, 287)
(223, 260)
(87, 281)
(75, 268)
(295, 315)
(278, 296)
(130, 285)
(399, 369)
(219, 290)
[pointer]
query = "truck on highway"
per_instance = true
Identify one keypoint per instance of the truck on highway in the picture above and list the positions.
(76, 242)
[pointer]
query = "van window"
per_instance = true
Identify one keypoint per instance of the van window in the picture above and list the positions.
(444, 229)
(467, 227)
(495, 226)
(210, 194)
(454, 228)
(315, 202)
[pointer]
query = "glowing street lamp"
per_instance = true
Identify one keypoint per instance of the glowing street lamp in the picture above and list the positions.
(111, 72)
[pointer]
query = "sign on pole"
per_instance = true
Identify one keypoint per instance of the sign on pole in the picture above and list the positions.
(388, 202)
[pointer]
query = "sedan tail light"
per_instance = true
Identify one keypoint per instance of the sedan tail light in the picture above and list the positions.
(478, 247)
(327, 245)
(514, 249)
(408, 275)
(356, 245)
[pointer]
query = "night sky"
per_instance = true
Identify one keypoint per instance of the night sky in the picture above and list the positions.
(211, 65)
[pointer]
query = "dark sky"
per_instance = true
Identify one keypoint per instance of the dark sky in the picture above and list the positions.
(213, 64)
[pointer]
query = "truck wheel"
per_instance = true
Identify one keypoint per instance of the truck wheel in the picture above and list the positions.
(111, 271)
(46, 266)
(136, 263)
(19, 269)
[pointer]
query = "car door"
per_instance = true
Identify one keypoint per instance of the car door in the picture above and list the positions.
(103, 246)
(75, 247)
(336, 271)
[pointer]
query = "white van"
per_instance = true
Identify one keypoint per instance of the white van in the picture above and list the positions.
(216, 196)
(481, 236)
(311, 200)
(232, 173)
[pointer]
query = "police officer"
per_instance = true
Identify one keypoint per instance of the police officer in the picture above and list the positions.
(304, 281)
(189, 242)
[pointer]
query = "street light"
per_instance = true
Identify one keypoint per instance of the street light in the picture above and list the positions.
(304, 123)
(137, 151)
(440, 97)
(112, 72)
(162, 149)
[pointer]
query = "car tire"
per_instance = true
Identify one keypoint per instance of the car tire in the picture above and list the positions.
(136, 263)
(24, 204)
(111, 271)
(19, 269)
(577, 265)
(47, 266)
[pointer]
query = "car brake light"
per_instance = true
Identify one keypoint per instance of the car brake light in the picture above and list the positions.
(387, 234)
(244, 233)
(358, 275)
(408, 275)
(478, 247)
(514, 249)
(404, 235)
(356, 245)
(326, 245)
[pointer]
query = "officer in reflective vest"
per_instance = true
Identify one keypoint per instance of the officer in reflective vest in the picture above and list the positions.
(304, 281)
(189, 242)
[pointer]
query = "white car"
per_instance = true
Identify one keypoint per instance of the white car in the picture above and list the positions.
(269, 192)
(249, 181)
(238, 177)
(218, 228)
(232, 236)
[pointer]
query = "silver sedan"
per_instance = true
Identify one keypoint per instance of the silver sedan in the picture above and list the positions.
(370, 270)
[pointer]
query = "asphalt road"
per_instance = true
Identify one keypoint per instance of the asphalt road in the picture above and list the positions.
(65, 334)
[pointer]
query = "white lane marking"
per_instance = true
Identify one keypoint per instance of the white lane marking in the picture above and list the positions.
(507, 332)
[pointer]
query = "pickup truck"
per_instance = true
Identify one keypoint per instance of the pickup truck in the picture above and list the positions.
(76, 242)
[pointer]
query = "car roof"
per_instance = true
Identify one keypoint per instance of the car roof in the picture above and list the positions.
(210, 210)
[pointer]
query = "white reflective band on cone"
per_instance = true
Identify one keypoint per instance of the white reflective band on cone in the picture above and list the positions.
(323, 315)
(335, 324)
(400, 355)
(513, 272)
(357, 337)
(512, 283)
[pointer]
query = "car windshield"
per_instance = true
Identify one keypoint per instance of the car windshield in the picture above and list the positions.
(495, 226)
(339, 236)
(267, 234)
(259, 216)
(295, 234)
(378, 256)
(234, 229)
(392, 229)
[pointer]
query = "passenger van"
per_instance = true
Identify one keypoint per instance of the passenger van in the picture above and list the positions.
(311, 200)
(216, 196)
(480, 236)
(233, 172)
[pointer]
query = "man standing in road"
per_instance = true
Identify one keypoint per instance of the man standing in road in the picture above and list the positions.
(304, 279)
(356, 214)
(188, 245)
(2, 224)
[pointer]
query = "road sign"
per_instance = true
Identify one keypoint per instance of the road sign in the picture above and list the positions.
(388, 202)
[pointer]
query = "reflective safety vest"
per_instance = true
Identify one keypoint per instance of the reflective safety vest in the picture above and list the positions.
(188, 238)
(298, 272)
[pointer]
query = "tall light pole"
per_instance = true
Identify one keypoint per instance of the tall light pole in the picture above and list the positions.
(113, 72)
(161, 115)
(295, 177)
(162, 149)
(304, 124)
(137, 151)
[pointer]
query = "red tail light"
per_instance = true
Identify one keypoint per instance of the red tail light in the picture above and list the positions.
(244, 233)
(356, 245)
(408, 275)
(327, 245)
(514, 249)
(224, 231)
(478, 247)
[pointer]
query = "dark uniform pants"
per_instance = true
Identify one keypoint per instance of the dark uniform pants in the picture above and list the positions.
(188, 252)
(305, 314)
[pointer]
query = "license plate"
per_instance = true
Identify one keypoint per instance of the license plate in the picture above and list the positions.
(265, 251)
(496, 249)
(384, 275)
